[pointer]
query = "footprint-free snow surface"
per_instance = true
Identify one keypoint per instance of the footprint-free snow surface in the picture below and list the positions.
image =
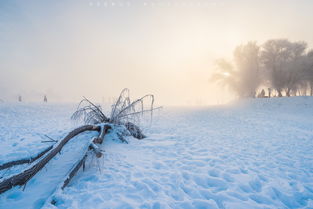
(251, 154)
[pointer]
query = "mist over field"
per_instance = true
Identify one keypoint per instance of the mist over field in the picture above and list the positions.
(70, 49)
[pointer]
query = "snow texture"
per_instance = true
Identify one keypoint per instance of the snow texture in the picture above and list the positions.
(250, 154)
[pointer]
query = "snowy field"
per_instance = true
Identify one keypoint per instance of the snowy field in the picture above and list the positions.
(251, 154)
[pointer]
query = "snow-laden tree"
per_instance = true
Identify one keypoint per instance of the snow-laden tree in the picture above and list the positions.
(242, 76)
(283, 62)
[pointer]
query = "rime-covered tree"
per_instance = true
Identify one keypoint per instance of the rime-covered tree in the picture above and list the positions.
(283, 63)
(248, 66)
(242, 77)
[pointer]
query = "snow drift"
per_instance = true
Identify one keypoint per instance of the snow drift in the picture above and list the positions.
(250, 154)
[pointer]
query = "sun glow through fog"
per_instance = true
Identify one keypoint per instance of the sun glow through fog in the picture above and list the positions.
(96, 51)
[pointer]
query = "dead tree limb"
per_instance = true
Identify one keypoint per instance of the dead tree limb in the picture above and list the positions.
(104, 131)
(50, 139)
(74, 171)
(23, 178)
(99, 140)
(94, 147)
(25, 160)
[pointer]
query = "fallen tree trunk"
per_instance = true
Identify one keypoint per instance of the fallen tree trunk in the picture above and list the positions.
(94, 147)
(25, 160)
(23, 178)
(74, 171)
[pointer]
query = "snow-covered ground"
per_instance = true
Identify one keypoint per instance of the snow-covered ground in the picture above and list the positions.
(251, 154)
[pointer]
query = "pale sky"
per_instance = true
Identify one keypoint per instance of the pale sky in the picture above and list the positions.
(70, 49)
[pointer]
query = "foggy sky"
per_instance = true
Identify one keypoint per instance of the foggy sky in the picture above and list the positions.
(70, 49)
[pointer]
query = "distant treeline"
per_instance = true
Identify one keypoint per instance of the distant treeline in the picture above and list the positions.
(281, 67)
